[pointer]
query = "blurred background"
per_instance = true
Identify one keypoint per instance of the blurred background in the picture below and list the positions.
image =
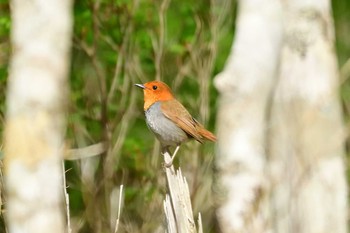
(117, 44)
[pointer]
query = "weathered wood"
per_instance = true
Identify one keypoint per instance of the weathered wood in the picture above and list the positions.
(180, 209)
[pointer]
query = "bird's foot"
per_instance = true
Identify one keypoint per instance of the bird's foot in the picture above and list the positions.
(168, 164)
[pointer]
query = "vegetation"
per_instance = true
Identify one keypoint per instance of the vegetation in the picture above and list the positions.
(117, 44)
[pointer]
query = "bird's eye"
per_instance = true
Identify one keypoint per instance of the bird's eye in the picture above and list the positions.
(154, 87)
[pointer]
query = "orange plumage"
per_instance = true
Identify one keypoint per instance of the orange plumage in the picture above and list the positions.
(168, 119)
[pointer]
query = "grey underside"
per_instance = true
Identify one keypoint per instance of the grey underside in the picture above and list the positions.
(167, 132)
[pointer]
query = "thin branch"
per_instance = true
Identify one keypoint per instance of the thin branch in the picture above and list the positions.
(200, 225)
(119, 208)
(121, 52)
(114, 152)
(345, 72)
(155, 153)
(86, 152)
(110, 42)
(159, 47)
(69, 228)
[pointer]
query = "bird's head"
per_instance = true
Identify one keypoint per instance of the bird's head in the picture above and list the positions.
(155, 91)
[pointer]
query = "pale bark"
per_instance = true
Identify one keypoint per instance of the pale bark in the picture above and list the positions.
(35, 122)
(301, 187)
(306, 161)
(245, 86)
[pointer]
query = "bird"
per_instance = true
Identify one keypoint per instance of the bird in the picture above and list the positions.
(169, 120)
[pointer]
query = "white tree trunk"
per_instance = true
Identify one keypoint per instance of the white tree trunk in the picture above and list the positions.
(245, 86)
(306, 142)
(35, 124)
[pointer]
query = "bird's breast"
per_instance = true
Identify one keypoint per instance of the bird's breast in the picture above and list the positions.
(167, 132)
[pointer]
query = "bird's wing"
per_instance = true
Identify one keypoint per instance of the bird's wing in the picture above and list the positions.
(178, 114)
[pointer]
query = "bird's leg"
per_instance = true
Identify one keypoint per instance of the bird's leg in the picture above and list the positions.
(174, 154)
(172, 157)
(165, 150)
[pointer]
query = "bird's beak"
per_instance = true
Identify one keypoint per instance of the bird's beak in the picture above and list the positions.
(140, 86)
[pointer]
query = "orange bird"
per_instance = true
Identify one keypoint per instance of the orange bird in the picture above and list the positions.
(168, 119)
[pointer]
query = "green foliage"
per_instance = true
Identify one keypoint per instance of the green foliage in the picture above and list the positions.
(341, 20)
(119, 43)
(342, 31)
(116, 43)
(5, 25)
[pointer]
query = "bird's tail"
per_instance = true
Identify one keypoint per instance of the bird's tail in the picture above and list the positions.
(207, 134)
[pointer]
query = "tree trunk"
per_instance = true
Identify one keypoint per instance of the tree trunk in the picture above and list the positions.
(245, 86)
(35, 122)
(306, 142)
(299, 185)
